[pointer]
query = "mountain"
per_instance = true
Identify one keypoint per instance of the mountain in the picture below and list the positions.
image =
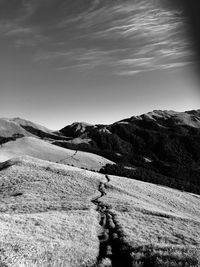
(11, 129)
(160, 146)
(75, 129)
(26, 123)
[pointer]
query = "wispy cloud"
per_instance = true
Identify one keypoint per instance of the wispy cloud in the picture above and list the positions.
(127, 37)
(14, 24)
(80, 59)
(151, 36)
(155, 36)
(17, 31)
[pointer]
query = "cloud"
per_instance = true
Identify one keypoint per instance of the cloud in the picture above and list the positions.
(149, 35)
(154, 35)
(125, 37)
(14, 26)
(18, 31)
(80, 59)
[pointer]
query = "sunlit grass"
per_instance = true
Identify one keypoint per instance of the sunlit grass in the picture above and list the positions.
(159, 226)
(49, 239)
(47, 217)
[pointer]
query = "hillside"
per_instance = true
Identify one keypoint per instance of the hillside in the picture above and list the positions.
(163, 146)
(158, 226)
(45, 212)
(11, 129)
(46, 209)
(41, 149)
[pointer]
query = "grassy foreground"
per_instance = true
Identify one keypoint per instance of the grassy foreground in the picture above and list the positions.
(45, 213)
(158, 226)
(48, 218)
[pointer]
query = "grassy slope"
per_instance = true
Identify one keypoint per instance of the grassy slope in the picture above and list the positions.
(46, 209)
(43, 150)
(45, 212)
(26, 123)
(160, 226)
(9, 128)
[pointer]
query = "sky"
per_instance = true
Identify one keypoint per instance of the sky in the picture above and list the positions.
(97, 61)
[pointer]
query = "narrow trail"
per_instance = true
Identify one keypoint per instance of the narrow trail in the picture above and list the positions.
(70, 157)
(112, 250)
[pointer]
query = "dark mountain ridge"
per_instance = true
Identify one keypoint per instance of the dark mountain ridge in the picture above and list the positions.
(161, 147)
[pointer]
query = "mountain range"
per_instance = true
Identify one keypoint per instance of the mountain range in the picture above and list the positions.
(124, 194)
(162, 147)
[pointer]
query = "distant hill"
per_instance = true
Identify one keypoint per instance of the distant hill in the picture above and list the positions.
(40, 149)
(11, 129)
(75, 129)
(56, 215)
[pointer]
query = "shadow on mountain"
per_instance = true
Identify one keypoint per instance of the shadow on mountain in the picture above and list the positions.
(161, 147)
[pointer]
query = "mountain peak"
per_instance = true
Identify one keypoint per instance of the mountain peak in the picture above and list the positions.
(75, 129)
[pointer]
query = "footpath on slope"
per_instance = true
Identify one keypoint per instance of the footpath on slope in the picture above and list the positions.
(70, 157)
(112, 250)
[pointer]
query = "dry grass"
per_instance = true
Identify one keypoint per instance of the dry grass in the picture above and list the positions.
(160, 226)
(49, 239)
(141, 196)
(143, 229)
(45, 213)
(40, 149)
(32, 185)
(165, 256)
(47, 218)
